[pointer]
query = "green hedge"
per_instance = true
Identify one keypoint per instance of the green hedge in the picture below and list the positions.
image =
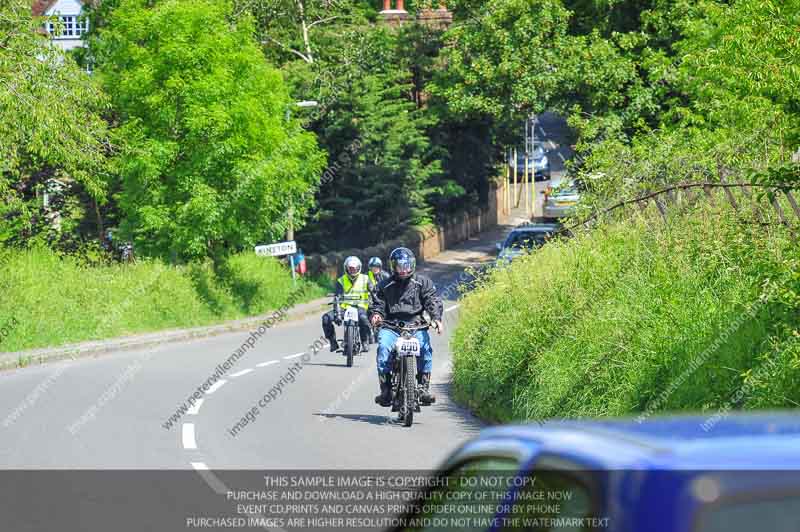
(51, 300)
(636, 317)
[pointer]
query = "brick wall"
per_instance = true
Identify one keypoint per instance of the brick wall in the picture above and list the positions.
(426, 243)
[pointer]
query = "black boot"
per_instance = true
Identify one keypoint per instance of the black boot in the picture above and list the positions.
(385, 398)
(426, 397)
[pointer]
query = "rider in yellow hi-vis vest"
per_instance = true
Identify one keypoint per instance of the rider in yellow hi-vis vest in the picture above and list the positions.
(376, 272)
(353, 288)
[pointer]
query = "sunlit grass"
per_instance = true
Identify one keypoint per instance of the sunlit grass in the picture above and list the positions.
(55, 301)
(603, 324)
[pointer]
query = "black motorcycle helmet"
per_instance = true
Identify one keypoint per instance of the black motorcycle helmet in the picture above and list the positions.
(402, 263)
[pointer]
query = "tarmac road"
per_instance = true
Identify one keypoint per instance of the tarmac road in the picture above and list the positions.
(110, 412)
(68, 428)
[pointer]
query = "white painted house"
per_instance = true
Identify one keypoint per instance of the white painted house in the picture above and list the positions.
(68, 22)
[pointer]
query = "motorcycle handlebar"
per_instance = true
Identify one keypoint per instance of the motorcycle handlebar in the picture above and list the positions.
(400, 325)
(346, 298)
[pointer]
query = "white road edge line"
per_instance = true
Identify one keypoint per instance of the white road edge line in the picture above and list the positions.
(220, 488)
(196, 408)
(188, 436)
(210, 478)
(263, 364)
(216, 386)
(294, 356)
(243, 372)
(452, 308)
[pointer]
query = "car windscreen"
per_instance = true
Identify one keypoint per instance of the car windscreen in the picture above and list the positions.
(555, 501)
(467, 499)
(526, 240)
(537, 153)
(571, 190)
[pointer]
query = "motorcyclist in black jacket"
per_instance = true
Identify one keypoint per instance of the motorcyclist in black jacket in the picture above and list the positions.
(403, 297)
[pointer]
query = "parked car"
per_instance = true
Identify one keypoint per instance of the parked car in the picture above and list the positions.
(560, 201)
(672, 474)
(524, 238)
(538, 163)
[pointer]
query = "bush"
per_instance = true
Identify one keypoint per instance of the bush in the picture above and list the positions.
(635, 317)
(56, 300)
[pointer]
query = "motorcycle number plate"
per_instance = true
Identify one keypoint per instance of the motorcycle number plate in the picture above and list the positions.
(408, 348)
(351, 314)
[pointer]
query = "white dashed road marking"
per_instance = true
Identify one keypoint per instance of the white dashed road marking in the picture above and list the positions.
(243, 372)
(294, 356)
(451, 308)
(196, 408)
(199, 466)
(264, 364)
(217, 385)
(188, 436)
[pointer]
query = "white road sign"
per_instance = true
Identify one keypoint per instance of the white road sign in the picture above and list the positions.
(276, 250)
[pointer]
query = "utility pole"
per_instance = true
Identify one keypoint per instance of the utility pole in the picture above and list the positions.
(290, 223)
(516, 198)
(533, 149)
(507, 184)
(526, 147)
(290, 210)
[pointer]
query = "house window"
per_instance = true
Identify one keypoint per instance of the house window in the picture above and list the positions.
(81, 25)
(69, 26)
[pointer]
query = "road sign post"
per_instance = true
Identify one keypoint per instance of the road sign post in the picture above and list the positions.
(278, 250)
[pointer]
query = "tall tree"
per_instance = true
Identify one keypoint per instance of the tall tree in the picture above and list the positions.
(384, 185)
(210, 162)
(51, 124)
(504, 57)
(302, 29)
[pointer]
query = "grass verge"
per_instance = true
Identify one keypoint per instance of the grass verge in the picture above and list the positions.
(49, 300)
(702, 313)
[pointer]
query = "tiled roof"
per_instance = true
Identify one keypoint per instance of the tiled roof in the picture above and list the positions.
(41, 6)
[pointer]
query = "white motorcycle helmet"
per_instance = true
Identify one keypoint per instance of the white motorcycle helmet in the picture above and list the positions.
(352, 267)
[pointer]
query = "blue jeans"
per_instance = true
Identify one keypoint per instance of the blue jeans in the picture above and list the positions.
(386, 340)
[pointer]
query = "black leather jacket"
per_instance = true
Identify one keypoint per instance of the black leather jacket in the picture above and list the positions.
(405, 300)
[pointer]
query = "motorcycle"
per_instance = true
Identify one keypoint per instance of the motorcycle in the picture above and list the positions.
(348, 317)
(405, 385)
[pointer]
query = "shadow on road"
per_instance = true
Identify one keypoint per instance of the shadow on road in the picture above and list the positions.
(342, 364)
(363, 418)
(464, 418)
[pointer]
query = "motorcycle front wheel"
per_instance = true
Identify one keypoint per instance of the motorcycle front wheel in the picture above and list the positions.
(410, 392)
(349, 343)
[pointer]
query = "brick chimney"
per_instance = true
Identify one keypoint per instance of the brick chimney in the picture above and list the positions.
(396, 16)
(439, 18)
(436, 18)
